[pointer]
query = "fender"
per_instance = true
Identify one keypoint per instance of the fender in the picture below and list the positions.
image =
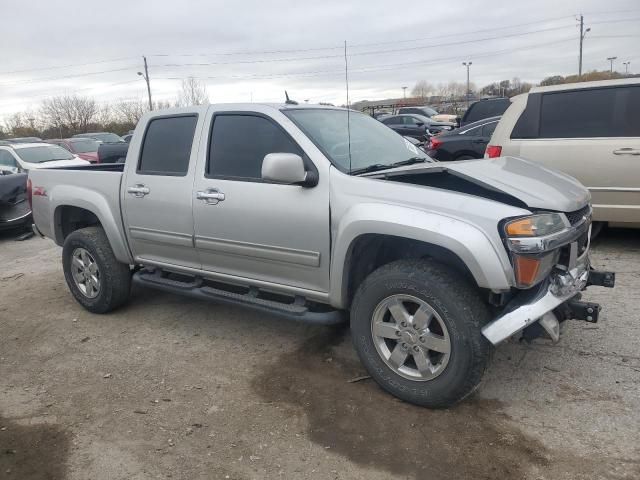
(95, 202)
(487, 262)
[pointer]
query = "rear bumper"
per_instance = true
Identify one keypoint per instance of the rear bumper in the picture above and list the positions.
(24, 219)
(561, 288)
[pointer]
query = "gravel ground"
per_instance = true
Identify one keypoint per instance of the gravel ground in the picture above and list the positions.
(168, 387)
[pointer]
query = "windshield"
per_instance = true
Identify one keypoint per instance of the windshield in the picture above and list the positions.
(84, 146)
(44, 153)
(372, 143)
(429, 111)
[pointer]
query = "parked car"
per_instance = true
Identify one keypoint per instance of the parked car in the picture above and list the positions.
(15, 211)
(24, 140)
(425, 111)
(22, 157)
(325, 212)
(104, 137)
(416, 126)
(85, 148)
(113, 152)
(417, 143)
(588, 130)
(463, 143)
(485, 108)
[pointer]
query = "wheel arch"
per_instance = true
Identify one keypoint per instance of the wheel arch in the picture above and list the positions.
(385, 236)
(78, 208)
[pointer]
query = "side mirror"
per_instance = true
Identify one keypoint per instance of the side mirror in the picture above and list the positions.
(420, 124)
(287, 169)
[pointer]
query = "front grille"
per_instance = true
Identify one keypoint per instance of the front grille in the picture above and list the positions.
(576, 217)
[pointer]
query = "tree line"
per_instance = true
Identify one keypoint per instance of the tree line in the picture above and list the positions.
(65, 115)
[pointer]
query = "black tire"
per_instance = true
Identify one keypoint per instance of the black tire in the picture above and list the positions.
(596, 229)
(465, 157)
(460, 308)
(115, 277)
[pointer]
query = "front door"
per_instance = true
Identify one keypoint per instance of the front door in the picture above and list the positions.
(251, 229)
(156, 193)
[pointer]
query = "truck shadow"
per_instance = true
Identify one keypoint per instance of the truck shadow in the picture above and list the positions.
(358, 420)
(31, 451)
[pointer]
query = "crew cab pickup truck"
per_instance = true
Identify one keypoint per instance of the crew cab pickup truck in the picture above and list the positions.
(326, 215)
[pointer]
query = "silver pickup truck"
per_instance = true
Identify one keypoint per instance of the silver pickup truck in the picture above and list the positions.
(325, 215)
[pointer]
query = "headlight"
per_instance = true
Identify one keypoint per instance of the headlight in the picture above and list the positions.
(535, 225)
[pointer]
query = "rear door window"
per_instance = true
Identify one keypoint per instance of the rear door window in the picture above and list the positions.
(487, 130)
(579, 114)
(167, 146)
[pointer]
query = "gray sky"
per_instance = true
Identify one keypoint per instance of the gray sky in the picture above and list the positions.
(254, 49)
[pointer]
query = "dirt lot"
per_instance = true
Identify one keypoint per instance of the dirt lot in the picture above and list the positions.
(172, 388)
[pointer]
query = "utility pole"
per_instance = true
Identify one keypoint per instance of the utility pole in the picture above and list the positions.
(611, 59)
(626, 66)
(404, 92)
(145, 75)
(583, 33)
(467, 64)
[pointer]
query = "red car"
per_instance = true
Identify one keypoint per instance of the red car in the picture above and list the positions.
(85, 148)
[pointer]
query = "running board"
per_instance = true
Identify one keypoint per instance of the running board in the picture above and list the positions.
(196, 288)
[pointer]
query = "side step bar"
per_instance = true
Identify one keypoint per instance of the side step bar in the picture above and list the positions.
(196, 288)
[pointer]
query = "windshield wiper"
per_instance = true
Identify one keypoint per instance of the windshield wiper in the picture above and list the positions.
(370, 168)
(381, 166)
(410, 161)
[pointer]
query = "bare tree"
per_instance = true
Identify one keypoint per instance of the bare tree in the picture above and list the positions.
(130, 111)
(422, 89)
(70, 111)
(193, 92)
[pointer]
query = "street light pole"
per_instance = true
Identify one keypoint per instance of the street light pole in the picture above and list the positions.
(626, 66)
(583, 33)
(404, 92)
(611, 59)
(467, 64)
(145, 75)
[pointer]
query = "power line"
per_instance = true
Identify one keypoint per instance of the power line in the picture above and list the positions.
(375, 68)
(67, 66)
(86, 74)
(370, 52)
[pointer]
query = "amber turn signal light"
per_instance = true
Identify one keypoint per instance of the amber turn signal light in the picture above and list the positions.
(527, 269)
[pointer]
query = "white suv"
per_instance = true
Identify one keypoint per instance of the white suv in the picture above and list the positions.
(589, 130)
(22, 157)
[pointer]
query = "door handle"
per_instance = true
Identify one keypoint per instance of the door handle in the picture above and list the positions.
(211, 196)
(138, 190)
(626, 151)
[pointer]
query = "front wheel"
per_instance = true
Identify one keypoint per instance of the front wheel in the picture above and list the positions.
(97, 280)
(416, 326)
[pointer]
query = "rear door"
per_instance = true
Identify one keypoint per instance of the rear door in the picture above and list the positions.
(156, 191)
(593, 135)
(270, 233)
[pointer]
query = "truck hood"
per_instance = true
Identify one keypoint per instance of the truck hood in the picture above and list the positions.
(506, 179)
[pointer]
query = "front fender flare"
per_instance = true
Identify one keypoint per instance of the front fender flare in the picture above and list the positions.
(487, 261)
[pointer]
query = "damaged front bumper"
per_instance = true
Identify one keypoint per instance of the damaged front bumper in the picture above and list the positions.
(554, 298)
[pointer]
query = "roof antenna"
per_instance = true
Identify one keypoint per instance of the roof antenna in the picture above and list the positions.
(288, 100)
(346, 81)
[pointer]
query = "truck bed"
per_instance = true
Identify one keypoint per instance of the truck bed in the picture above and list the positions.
(95, 188)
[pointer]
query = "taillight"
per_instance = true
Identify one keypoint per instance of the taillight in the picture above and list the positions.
(435, 143)
(493, 151)
(29, 194)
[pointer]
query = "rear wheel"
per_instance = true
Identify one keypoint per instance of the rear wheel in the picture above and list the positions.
(416, 327)
(465, 157)
(97, 280)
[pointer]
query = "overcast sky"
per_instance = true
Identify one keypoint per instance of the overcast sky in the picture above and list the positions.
(254, 49)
